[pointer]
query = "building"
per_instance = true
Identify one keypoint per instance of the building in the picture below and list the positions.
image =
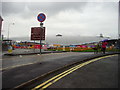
(0, 24)
(0, 33)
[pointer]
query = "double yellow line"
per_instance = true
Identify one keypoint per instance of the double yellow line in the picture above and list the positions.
(65, 73)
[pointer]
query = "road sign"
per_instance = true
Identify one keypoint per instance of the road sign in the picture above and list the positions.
(37, 33)
(41, 17)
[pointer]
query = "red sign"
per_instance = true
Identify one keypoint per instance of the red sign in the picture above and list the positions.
(37, 33)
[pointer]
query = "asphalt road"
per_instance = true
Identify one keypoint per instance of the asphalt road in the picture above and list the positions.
(99, 74)
(18, 70)
(21, 60)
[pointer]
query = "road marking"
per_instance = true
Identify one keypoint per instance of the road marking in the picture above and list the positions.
(65, 73)
(55, 77)
(11, 67)
(20, 56)
(34, 55)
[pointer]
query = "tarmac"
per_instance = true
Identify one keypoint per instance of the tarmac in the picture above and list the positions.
(49, 67)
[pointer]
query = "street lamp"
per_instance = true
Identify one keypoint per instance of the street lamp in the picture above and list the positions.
(9, 28)
(101, 36)
(58, 35)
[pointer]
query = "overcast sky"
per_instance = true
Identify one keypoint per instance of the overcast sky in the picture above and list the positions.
(66, 18)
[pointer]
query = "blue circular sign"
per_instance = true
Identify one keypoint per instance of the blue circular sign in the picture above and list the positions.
(41, 17)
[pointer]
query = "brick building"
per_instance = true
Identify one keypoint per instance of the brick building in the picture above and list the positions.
(0, 24)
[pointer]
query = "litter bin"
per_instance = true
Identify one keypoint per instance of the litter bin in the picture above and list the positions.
(9, 49)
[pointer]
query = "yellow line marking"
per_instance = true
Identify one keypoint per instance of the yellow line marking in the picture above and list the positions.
(46, 86)
(63, 74)
(58, 78)
(55, 77)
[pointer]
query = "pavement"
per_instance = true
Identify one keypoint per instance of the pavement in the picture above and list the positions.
(16, 52)
(27, 52)
(19, 75)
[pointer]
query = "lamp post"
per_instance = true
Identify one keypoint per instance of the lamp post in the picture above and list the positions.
(100, 36)
(58, 35)
(9, 28)
(103, 37)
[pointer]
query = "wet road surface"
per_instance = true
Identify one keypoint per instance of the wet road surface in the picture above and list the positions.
(13, 77)
(98, 74)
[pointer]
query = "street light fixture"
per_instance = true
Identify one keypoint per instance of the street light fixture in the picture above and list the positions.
(101, 36)
(58, 35)
(9, 28)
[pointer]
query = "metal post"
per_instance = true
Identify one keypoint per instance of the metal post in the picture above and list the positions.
(40, 47)
(9, 28)
(41, 25)
(34, 46)
(2, 37)
(58, 35)
(8, 31)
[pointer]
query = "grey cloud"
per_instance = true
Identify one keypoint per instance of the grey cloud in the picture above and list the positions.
(56, 7)
(12, 8)
(50, 8)
(91, 18)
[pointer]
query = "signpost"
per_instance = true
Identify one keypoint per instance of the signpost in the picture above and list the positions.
(37, 33)
(41, 17)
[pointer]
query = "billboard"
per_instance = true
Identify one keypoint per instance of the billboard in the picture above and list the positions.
(37, 33)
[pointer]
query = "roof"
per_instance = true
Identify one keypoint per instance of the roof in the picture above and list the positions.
(1, 18)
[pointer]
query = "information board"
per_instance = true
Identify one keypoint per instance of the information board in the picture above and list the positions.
(37, 33)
